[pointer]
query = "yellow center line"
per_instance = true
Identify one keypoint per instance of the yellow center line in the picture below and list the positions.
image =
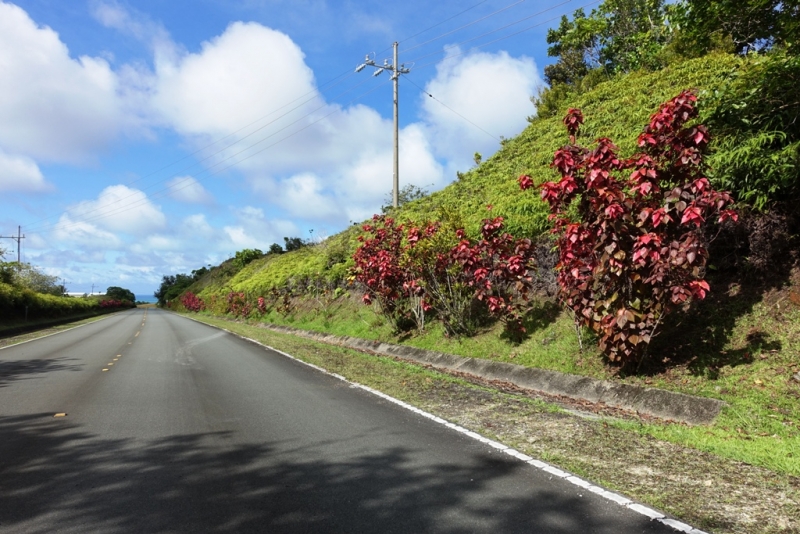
(60, 414)
(105, 369)
(137, 334)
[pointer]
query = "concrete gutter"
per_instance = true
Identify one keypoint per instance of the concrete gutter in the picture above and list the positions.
(654, 402)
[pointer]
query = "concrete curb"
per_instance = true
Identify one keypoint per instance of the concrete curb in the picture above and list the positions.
(650, 401)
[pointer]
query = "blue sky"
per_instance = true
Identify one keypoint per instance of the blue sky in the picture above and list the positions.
(144, 138)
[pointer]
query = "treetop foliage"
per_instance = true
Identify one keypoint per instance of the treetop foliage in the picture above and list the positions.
(750, 25)
(407, 193)
(618, 36)
(245, 256)
(28, 276)
(293, 243)
(121, 294)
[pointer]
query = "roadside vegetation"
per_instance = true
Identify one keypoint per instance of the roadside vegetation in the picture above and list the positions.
(664, 254)
(30, 298)
(708, 491)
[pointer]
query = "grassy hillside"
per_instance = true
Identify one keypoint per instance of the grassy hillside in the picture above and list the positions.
(618, 109)
(740, 345)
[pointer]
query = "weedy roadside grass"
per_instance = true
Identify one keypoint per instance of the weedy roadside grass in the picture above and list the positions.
(707, 490)
(741, 346)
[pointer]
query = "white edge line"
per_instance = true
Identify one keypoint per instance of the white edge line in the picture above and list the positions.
(56, 333)
(569, 477)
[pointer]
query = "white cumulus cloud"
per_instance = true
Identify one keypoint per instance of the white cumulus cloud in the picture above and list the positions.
(53, 107)
(491, 90)
(119, 209)
(20, 173)
(187, 189)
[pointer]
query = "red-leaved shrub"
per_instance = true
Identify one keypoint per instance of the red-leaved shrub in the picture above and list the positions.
(632, 245)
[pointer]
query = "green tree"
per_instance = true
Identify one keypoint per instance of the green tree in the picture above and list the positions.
(171, 287)
(407, 193)
(618, 36)
(120, 293)
(275, 249)
(293, 243)
(756, 117)
(749, 24)
(31, 277)
(197, 274)
(245, 256)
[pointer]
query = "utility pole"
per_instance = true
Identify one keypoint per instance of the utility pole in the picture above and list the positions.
(18, 238)
(396, 72)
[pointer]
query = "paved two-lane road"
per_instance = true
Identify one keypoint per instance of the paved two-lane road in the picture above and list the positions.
(190, 429)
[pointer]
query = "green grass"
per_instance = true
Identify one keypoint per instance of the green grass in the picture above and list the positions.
(761, 425)
(619, 109)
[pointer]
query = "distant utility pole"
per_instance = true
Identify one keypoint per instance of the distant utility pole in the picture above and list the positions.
(396, 72)
(18, 238)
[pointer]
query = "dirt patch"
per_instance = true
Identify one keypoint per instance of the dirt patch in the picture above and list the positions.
(709, 492)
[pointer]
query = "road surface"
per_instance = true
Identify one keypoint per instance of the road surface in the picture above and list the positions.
(174, 426)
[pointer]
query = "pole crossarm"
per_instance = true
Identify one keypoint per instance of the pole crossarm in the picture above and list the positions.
(18, 238)
(396, 72)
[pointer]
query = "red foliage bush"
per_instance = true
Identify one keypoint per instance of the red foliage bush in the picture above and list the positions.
(637, 248)
(238, 305)
(192, 302)
(412, 270)
(115, 303)
(497, 267)
(380, 266)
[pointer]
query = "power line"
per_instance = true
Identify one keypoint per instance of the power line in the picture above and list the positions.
(188, 179)
(18, 238)
(467, 25)
(442, 22)
(156, 195)
(503, 28)
(313, 92)
(454, 111)
(451, 56)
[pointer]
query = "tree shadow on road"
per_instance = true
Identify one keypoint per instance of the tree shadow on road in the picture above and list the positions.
(13, 370)
(54, 475)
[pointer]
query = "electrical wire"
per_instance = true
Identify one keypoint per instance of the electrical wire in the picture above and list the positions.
(199, 162)
(450, 47)
(467, 25)
(409, 80)
(442, 22)
(452, 56)
(162, 192)
(313, 92)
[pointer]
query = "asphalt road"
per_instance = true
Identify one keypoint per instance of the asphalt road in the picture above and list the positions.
(195, 430)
